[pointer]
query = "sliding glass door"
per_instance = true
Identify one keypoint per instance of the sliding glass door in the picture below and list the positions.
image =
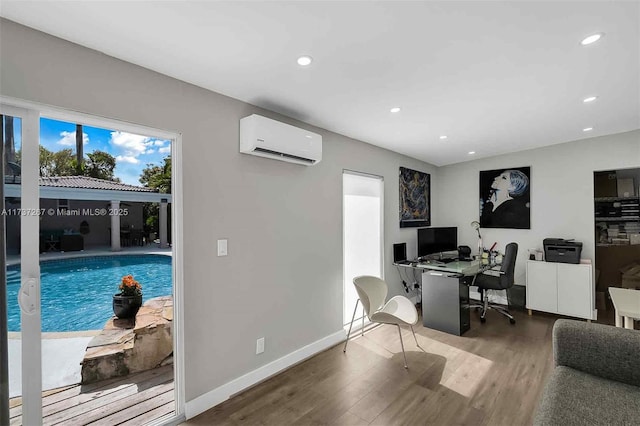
(68, 216)
(20, 184)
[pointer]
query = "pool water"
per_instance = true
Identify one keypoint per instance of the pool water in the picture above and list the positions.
(76, 294)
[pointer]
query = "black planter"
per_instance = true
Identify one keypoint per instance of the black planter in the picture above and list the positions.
(126, 306)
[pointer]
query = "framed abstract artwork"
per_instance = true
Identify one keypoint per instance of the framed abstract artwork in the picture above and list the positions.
(505, 198)
(415, 198)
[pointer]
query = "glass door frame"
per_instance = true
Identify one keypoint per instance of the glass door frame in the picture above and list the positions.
(380, 179)
(29, 293)
(30, 113)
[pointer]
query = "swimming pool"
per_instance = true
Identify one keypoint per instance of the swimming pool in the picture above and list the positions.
(76, 294)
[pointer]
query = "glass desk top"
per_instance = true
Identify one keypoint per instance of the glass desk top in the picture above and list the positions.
(461, 267)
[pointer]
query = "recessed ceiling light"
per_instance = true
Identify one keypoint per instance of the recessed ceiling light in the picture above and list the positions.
(443, 137)
(589, 99)
(592, 39)
(395, 109)
(587, 129)
(304, 60)
(471, 152)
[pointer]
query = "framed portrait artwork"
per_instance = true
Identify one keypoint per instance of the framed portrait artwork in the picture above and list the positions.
(415, 198)
(505, 200)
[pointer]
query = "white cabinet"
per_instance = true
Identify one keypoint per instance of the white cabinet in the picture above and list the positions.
(561, 288)
(542, 287)
(575, 293)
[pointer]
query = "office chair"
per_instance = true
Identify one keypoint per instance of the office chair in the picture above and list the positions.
(503, 281)
(372, 292)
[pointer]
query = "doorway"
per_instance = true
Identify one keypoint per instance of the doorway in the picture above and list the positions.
(617, 232)
(63, 198)
(362, 233)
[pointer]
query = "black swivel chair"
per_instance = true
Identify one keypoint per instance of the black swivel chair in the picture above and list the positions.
(502, 281)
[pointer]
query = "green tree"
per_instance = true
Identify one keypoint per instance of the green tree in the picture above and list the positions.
(46, 161)
(100, 165)
(59, 163)
(158, 177)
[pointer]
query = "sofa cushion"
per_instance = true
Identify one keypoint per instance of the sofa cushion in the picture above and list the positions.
(572, 397)
(602, 350)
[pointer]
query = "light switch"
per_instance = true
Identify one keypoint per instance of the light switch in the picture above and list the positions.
(222, 247)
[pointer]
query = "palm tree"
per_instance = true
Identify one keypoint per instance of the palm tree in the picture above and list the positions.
(79, 150)
(9, 141)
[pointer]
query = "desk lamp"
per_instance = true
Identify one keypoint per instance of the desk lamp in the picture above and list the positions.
(476, 225)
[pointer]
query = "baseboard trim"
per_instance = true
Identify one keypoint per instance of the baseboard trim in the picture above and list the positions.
(216, 396)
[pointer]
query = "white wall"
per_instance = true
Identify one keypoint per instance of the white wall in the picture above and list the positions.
(282, 279)
(561, 192)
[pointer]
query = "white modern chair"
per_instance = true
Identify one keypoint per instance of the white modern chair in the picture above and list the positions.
(372, 292)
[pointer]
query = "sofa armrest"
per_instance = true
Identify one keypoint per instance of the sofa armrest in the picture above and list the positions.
(601, 350)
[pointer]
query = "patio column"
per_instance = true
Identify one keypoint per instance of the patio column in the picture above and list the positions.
(115, 226)
(163, 223)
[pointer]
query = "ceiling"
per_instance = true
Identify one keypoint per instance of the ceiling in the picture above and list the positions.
(494, 77)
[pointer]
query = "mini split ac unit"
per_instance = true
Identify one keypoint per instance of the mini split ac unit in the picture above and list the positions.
(269, 138)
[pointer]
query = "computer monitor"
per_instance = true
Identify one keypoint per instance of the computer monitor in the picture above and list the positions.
(437, 240)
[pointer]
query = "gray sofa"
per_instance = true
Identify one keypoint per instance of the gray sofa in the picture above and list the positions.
(596, 380)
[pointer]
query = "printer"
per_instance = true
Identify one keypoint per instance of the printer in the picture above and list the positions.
(561, 250)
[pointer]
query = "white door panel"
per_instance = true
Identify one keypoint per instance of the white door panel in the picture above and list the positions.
(542, 292)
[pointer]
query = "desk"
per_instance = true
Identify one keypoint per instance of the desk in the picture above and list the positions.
(445, 294)
(626, 302)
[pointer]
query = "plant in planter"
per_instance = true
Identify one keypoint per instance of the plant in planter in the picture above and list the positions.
(128, 301)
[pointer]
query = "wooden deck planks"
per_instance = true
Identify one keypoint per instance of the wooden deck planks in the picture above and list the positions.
(162, 401)
(147, 395)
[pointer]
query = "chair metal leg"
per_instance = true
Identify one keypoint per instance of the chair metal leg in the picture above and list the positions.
(350, 325)
(499, 308)
(485, 305)
(504, 312)
(402, 344)
(362, 328)
(415, 338)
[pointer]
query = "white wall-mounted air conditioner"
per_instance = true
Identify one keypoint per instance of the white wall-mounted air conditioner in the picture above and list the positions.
(269, 138)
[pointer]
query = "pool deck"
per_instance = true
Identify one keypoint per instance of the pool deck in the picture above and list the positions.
(132, 400)
(94, 251)
(60, 363)
(63, 370)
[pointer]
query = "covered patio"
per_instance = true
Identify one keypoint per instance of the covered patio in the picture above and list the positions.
(85, 212)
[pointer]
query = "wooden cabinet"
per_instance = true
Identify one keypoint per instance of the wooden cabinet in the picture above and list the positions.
(561, 288)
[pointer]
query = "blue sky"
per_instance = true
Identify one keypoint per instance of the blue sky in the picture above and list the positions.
(132, 152)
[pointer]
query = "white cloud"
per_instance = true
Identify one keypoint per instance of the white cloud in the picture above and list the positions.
(127, 159)
(133, 145)
(128, 147)
(69, 138)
